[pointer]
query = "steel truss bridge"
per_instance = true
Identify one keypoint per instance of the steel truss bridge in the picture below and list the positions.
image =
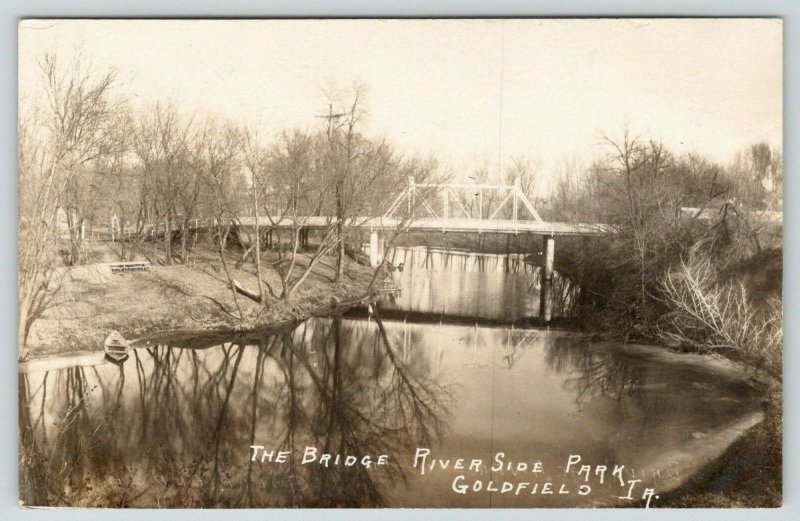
(431, 207)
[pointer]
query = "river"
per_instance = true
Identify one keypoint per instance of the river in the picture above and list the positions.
(340, 411)
(462, 285)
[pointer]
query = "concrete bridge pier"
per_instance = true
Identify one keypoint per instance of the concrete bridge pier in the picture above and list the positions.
(546, 293)
(375, 248)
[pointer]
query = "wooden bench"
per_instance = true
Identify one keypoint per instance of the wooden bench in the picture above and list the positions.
(124, 267)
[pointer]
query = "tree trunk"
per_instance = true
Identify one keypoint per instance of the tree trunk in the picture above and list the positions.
(23, 327)
(231, 282)
(258, 245)
(183, 241)
(341, 259)
(168, 240)
(154, 238)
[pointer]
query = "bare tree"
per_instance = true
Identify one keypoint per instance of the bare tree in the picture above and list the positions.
(300, 186)
(642, 198)
(121, 190)
(345, 150)
(254, 160)
(526, 171)
(220, 154)
(567, 188)
(57, 139)
(161, 146)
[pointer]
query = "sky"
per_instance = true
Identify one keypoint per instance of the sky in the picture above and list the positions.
(473, 93)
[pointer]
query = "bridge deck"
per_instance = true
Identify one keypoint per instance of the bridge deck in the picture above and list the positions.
(502, 226)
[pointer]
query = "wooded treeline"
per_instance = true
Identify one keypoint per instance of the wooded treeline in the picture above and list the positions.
(688, 230)
(696, 257)
(91, 160)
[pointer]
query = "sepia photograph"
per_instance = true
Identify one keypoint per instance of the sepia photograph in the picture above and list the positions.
(400, 263)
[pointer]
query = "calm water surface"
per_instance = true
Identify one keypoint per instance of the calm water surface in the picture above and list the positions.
(174, 425)
(496, 287)
(497, 412)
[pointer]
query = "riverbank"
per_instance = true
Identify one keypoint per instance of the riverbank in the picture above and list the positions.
(747, 475)
(749, 472)
(172, 299)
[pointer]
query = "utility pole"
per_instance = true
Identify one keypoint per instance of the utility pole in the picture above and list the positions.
(338, 188)
(330, 116)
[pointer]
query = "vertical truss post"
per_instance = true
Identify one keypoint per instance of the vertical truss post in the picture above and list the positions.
(516, 204)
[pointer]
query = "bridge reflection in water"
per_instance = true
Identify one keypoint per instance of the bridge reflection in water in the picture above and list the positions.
(463, 285)
(173, 426)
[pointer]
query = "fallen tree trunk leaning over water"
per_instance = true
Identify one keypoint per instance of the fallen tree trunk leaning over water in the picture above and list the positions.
(246, 292)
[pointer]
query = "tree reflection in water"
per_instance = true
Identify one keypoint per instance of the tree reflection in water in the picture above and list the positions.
(173, 426)
(637, 391)
(593, 372)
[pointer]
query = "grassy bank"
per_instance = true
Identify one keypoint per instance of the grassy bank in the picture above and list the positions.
(168, 299)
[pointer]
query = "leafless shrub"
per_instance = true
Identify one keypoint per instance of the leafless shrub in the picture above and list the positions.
(712, 316)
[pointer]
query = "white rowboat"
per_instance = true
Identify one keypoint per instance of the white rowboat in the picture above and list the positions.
(116, 346)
